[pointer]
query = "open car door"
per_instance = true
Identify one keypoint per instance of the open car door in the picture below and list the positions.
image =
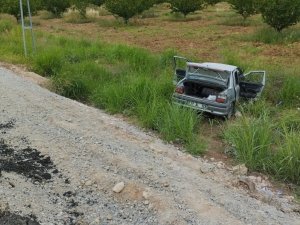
(179, 68)
(252, 84)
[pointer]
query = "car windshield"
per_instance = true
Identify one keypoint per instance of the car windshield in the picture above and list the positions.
(222, 75)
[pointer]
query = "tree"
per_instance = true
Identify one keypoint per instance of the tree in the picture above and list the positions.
(13, 7)
(57, 7)
(81, 5)
(280, 14)
(127, 8)
(186, 6)
(245, 8)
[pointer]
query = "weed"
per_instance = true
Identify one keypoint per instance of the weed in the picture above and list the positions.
(290, 92)
(270, 36)
(75, 17)
(73, 88)
(46, 15)
(252, 139)
(102, 11)
(236, 21)
(6, 25)
(48, 63)
(289, 120)
(110, 23)
(150, 13)
(256, 108)
(234, 59)
(286, 162)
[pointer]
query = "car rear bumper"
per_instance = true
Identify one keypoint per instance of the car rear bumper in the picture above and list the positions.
(203, 105)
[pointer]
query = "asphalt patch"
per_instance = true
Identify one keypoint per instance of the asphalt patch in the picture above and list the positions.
(28, 162)
(8, 125)
(8, 218)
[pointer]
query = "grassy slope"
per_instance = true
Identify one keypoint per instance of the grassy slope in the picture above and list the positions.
(137, 83)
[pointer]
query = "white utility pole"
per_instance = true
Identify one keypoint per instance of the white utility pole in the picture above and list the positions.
(24, 27)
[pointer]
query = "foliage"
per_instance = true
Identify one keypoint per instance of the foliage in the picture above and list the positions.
(82, 5)
(280, 14)
(245, 8)
(212, 2)
(13, 7)
(57, 7)
(5, 25)
(127, 8)
(186, 6)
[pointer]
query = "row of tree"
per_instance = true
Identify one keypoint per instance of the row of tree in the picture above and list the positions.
(57, 7)
(277, 13)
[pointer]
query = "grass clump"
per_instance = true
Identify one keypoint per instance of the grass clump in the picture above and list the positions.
(46, 15)
(290, 92)
(48, 63)
(252, 139)
(73, 16)
(286, 162)
(236, 21)
(289, 120)
(266, 146)
(270, 36)
(256, 108)
(6, 25)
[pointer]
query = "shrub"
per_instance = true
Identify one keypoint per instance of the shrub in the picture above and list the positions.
(280, 14)
(127, 8)
(57, 7)
(82, 5)
(5, 25)
(13, 7)
(245, 8)
(186, 6)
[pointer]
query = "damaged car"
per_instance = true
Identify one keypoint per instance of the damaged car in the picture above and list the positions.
(214, 87)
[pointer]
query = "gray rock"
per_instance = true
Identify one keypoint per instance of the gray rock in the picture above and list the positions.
(118, 187)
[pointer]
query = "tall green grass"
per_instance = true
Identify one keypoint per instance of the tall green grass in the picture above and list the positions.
(6, 25)
(119, 79)
(286, 161)
(252, 140)
(270, 36)
(290, 92)
(267, 146)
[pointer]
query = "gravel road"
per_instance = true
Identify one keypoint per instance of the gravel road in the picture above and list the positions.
(60, 160)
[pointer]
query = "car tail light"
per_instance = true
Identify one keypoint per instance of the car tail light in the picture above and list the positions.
(221, 98)
(179, 90)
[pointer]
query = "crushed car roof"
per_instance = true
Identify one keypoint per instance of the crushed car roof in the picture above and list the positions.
(213, 66)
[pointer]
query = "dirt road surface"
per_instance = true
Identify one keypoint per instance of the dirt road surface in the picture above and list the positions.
(60, 161)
